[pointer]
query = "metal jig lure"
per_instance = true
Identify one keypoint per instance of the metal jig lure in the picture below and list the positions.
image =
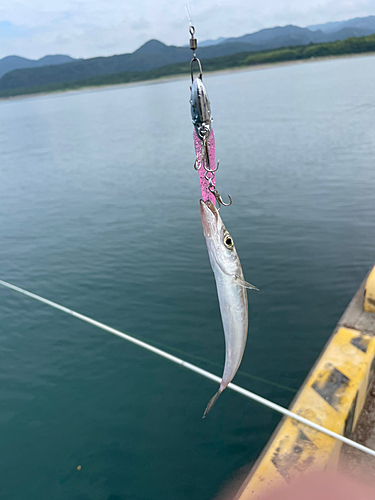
(203, 133)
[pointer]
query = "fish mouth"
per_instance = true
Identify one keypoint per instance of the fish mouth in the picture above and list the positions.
(208, 207)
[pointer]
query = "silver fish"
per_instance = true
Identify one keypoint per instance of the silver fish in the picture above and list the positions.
(231, 290)
(200, 109)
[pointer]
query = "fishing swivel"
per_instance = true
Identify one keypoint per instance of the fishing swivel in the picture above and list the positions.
(193, 46)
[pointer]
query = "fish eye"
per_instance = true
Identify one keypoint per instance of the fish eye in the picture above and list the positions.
(228, 242)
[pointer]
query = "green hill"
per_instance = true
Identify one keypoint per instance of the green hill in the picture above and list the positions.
(243, 59)
(10, 63)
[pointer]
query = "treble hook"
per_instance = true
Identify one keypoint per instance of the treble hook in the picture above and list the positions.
(212, 170)
(219, 199)
(205, 156)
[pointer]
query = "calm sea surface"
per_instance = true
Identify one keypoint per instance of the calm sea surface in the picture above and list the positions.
(100, 212)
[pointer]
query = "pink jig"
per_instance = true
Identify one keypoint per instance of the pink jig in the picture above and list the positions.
(198, 144)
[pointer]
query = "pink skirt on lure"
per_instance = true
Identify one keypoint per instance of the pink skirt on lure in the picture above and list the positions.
(198, 144)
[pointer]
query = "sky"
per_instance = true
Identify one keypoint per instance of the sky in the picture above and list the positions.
(90, 28)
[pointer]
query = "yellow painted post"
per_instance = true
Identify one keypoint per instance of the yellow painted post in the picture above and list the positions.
(332, 396)
(369, 301)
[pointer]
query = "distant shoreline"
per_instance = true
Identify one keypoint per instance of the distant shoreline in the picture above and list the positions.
(186, 76)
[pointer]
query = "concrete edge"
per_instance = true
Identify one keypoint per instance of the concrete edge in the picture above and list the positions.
(333, 395)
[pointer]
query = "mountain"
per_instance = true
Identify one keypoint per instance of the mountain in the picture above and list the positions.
(154, 54)
(206, 43)
(15, 62)
(279, 35)
(241, 60)
(362, 23)
(151, 55)
(294, 35)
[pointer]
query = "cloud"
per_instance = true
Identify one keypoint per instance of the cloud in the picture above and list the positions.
(140, 25)
(89, 28)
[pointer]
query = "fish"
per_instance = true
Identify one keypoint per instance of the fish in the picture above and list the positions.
(231, 289)
(200, 109)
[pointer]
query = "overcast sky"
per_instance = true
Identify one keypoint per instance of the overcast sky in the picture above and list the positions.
(89, 28)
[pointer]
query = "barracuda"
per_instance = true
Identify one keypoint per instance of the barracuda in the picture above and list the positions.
(231, 290)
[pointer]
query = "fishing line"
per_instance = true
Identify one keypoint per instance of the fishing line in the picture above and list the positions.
(187, 8)
(239, 372)
(193, 368)
(198, 358)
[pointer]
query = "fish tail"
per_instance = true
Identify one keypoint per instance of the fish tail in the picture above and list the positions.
(213, 400)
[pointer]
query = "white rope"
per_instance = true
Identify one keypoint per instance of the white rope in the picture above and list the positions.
(193, 368)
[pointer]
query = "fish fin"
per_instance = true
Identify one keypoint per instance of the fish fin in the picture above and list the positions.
(245, 284)
(212, 401)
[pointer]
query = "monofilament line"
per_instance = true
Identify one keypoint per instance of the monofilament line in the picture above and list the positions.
(187, 8)
(193, 368)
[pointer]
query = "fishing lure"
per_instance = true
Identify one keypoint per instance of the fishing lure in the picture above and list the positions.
(230, 284)
(204, 139)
